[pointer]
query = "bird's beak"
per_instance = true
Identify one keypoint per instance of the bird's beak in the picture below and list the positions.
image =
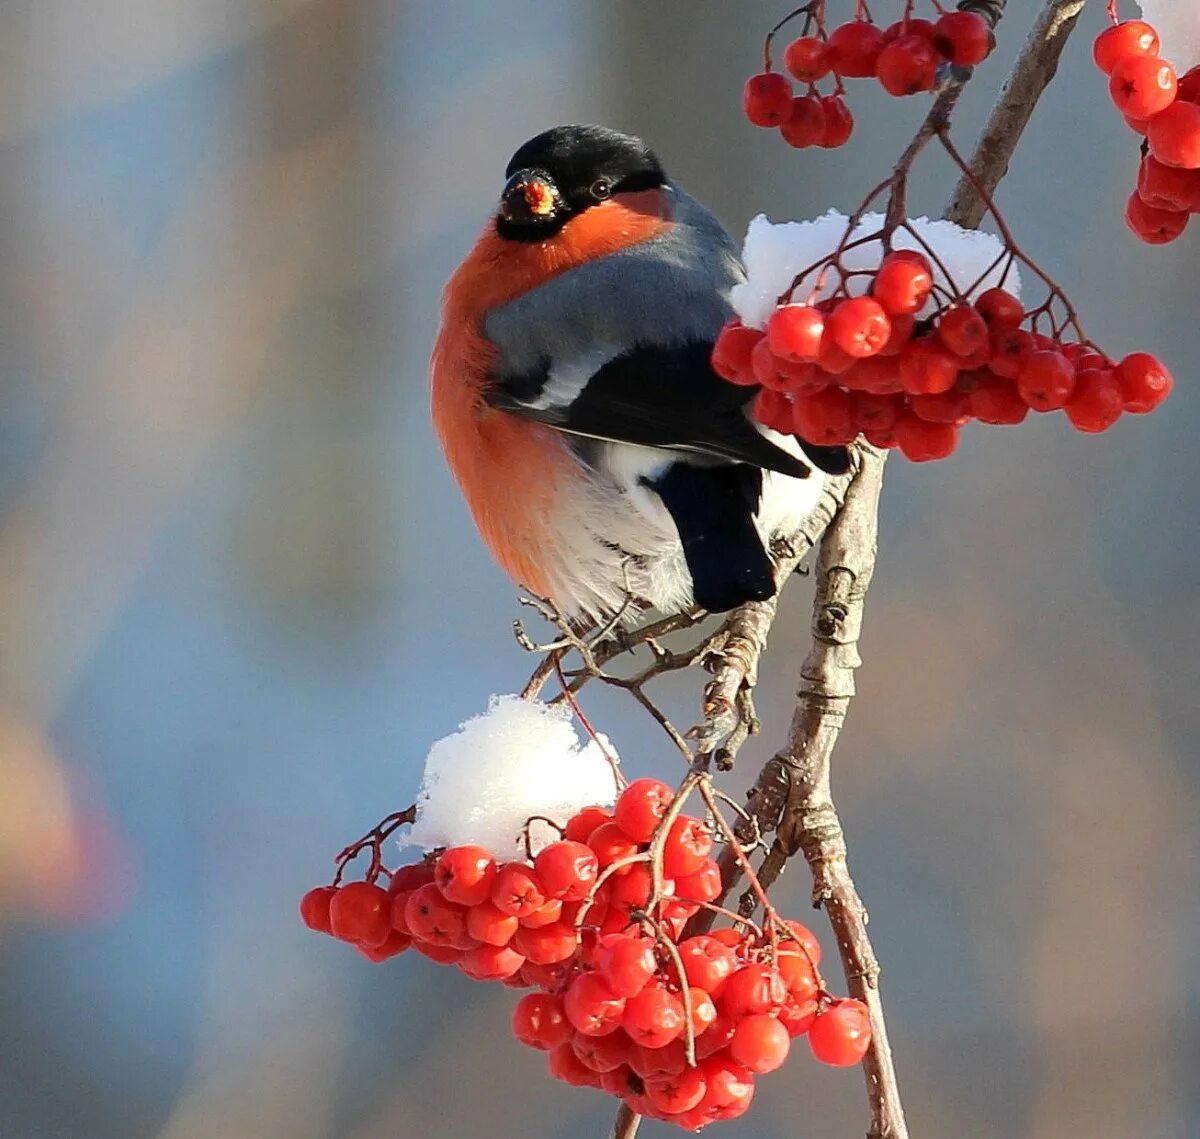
(529, 196)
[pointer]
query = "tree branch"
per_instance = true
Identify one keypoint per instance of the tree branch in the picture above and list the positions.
(793, 792)
(1031, 74)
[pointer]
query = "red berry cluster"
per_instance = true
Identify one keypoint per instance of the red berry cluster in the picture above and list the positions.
(675, 1027)
(835, 369)
(905, 58)
(1165, 109)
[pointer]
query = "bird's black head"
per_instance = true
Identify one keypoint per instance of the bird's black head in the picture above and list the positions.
(561, 172)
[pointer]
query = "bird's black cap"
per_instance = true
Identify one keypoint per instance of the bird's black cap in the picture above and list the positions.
(566, 170)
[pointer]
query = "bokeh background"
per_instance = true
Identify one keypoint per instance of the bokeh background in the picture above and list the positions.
(239, 594)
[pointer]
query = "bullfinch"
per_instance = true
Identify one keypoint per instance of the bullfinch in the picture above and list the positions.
(603, 459)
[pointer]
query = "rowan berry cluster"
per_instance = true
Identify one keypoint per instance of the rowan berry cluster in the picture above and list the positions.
(833, 369)
(676, 1027)
(1164, 108)
(907, 57)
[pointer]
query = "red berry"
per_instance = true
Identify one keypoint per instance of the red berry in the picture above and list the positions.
(944, 407)
(641, 806)
(632, 891)
(1189, 86)
(907, 66)
(603, 1053)
(687, 847)
(963, 331)
(996, 400)
(1133, 37)
(772, 409)
(591, 1006)
(517, 890)
(825, 418)
(925, 368)
(491, 962)
(854, 49)
(876, 374)
(442, 954)
(579, 827)
(674, 1094)
(903, 282)
(702, 886)
(797, 1015)
(549, 978)
(859, 326)
(612, 844)
(841, 1034)
(807, 58)
(361, 912)
(752, 989)
(539, 1021)
(731, 361)
(707, 963)
(654, 1017)
(1174, 136)
(1097, 402)
(547, 944)
(903, 326)
(875, 412)
(410, 877)
(794, 332)
(801, 378)
(651, 1063)
(1046, 380)
(702, 1010)
(567, 869)
(964, 38)
(1009, 347)
(487, 924)
(833, 360)
(882, 437)
(767, 99)
(432, 919)
(922, 441)
(908, 26)
(1142, 85)
(999, 308)
(566, 1066)
(1144, 381)
(804, 939)
(395, 943)
(1167, 187)
(765, 365)
(728, 1085)
(626, 962)
(551, 912)
(465, 874)
(806, 124)
(314, 908)
(1154, 226)
(761, 1043)
(839, 122)
(798, 973)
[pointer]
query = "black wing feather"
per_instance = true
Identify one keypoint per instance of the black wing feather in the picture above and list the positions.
(663, 397)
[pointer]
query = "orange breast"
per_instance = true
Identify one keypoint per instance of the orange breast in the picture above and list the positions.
(515, 474)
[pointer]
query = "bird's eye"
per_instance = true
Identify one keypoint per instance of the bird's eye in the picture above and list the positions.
(601, 189)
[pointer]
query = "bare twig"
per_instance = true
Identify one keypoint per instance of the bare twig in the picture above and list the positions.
(1031, 74)
(625, 1126)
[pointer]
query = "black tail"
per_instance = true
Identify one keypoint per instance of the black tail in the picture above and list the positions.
(713, 509)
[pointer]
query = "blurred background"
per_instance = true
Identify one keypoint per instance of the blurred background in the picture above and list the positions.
(240, 595)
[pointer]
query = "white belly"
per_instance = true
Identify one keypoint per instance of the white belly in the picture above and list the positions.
(621, 540)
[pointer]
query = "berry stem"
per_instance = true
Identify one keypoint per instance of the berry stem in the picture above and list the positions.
(809, 10)
(374, 838)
